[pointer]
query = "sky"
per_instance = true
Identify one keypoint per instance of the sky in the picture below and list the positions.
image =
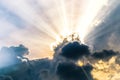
(38, 23)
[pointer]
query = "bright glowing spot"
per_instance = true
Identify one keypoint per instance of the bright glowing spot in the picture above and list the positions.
(62, 40)
(80, 63)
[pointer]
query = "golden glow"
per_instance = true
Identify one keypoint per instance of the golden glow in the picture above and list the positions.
(106, 70)
(80, 63)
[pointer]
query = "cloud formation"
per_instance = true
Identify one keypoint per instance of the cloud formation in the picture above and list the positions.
(70, 71)
(12, 55)
(74, 50)
(104, 55)
(62, 67)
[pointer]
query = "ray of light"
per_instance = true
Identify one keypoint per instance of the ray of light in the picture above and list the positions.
(65, 19)
(101, 19)
(45, 21)
(87, 18)
(38, 23)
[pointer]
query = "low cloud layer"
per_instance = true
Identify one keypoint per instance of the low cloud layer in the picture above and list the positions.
(64, 66)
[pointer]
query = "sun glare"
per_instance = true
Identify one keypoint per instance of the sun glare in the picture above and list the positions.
(49, 21)
(84, 20)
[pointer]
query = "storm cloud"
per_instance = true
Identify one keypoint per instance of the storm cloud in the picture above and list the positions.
(104, 55)
(75, 50)
(70, 71)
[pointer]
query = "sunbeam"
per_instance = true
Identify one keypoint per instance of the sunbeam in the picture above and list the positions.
(61, 31)
(43, 22)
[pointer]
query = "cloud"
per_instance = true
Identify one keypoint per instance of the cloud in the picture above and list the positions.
(104, 55)
(19, 51)
(60, 68)
(104, 36)
(70, 71)
(5, 78)
(74, 50)
(12, 55)
(117, 61)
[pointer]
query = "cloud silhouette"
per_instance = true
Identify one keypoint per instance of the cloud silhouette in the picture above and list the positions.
(70, 71)
(104, 55)
(63, 66)
(74, 50)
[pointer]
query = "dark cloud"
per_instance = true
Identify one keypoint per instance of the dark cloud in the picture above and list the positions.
(5, 77)
(74, 50)
(58, 68)
(46, 69)
(104, 55)
(32, 70)
(70, 71)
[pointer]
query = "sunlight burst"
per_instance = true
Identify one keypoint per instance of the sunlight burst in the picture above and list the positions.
(49, 21)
